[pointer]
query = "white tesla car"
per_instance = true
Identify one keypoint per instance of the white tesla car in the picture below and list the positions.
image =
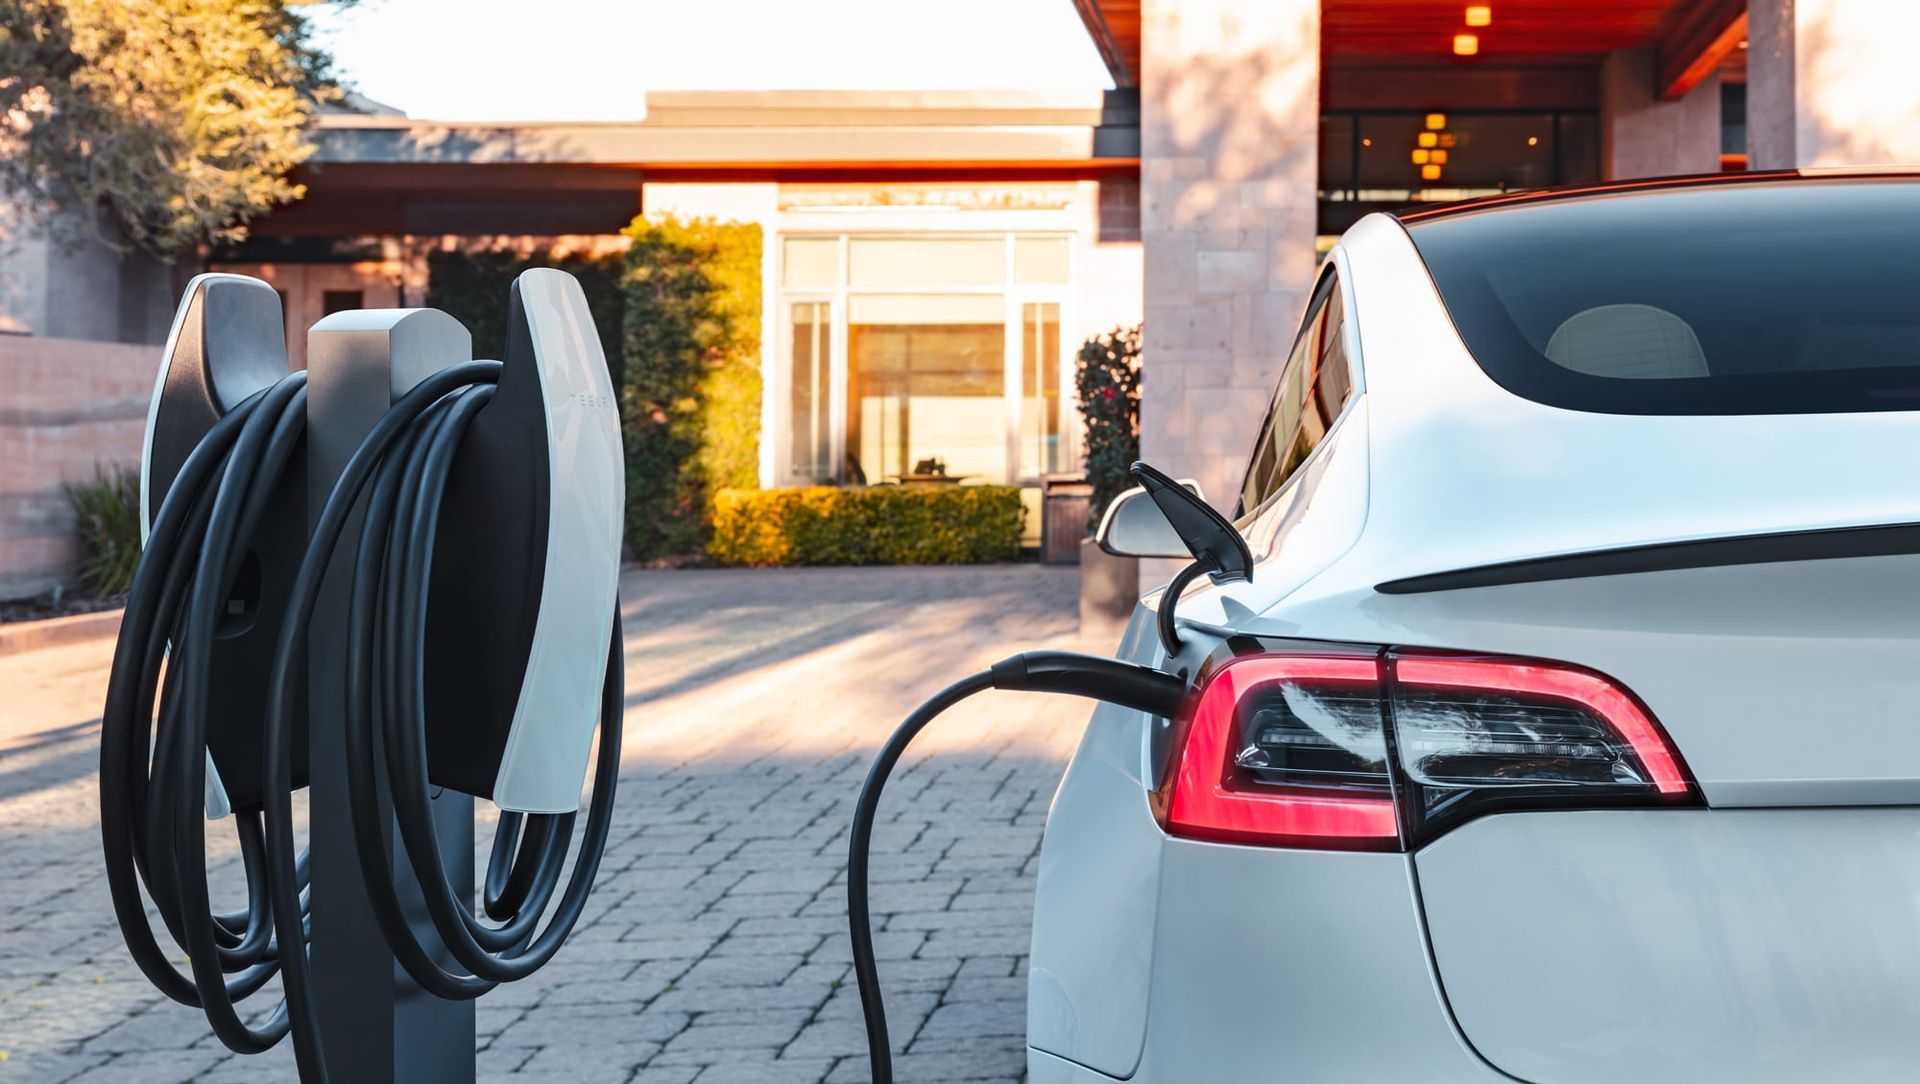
(1569, 726)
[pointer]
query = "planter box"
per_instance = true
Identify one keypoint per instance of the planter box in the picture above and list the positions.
(1109, 588)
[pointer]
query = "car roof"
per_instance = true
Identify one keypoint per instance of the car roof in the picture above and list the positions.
(1417, 214)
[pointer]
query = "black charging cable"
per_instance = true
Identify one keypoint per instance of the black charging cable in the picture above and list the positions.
(1111, 680)
(153, 784)
(407, 458)
(152, 804)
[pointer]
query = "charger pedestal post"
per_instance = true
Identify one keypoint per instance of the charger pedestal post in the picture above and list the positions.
(377, 1025)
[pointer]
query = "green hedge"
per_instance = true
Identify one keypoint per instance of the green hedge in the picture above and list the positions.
(472, 287)
(692, 396)
(871, 525)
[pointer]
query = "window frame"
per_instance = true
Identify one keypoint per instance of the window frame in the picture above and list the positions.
(1015, 295)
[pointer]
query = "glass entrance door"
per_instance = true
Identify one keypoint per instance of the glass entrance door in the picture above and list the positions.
(926, 386)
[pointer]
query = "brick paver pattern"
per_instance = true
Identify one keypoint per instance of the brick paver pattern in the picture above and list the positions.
(714, 948)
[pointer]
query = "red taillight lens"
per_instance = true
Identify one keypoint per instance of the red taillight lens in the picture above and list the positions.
(1508, 722)
(1373, 753)
(1287, 750)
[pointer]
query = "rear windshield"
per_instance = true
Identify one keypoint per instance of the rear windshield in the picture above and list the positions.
(1763, 298)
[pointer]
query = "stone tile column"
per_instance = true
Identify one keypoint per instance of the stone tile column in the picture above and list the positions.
(1641, 136)
(1831, 83)
(1228, 174)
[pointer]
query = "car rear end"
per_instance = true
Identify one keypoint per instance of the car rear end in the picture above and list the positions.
(1597, 754)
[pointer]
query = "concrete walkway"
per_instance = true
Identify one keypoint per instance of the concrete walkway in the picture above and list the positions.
(715, 948)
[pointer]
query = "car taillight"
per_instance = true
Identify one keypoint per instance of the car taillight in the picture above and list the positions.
(1383, 752)
(1287, 750)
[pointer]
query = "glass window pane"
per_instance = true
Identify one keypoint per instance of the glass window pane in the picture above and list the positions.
(1040, 450)
(1579, 148)
(810, 373)
(926, 391)
(1285, 441)
(1040, 259)
(1675, 302)
(811, 261)
(910, 263)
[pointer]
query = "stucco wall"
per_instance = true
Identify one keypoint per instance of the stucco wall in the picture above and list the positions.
(1229, 144)
(65, 405)
(85, 289)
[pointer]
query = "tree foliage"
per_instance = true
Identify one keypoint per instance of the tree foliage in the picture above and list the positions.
(181, 118)
(692, 396)
(1107, 374)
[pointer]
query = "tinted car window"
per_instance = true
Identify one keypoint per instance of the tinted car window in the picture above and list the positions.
(1314, 386)
(1759, 298)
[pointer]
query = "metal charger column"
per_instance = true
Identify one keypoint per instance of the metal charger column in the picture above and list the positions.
(377, 1025)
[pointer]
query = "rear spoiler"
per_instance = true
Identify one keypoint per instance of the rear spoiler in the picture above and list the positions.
(1820, 544)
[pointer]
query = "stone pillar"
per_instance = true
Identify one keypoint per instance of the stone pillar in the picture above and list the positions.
(1831, 83)
(1230, 118)
(1641, 136)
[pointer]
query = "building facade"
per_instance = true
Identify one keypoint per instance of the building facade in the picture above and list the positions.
(1269, 125)
(932, 260)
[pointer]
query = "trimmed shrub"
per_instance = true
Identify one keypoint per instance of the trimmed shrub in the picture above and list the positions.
(870, 525)
(691, 402)
(1107, 375)
(107, 529)
(472, 287)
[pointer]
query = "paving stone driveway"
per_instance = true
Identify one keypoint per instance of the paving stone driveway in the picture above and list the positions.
(714, 949)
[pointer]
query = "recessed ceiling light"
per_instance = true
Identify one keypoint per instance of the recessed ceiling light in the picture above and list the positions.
(1436, 121)
(1420, 157)
(1429, 173)
(1366, 143)
(1533, 141)
(1466, 44)
(1428, 139)
(1479, 15)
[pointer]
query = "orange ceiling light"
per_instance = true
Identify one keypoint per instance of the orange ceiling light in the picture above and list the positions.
(1439, 158)
(1466, 44)
(1429, 139)
(1479, 15)
(1436, 121)
(1429, 172)
(1421, 158)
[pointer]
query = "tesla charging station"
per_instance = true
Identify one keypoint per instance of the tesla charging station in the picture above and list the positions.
(391, 580)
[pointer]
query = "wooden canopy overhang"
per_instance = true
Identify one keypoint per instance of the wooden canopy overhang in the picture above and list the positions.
(1403, 49)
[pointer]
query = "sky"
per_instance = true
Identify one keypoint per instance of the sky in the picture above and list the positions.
(595, 59)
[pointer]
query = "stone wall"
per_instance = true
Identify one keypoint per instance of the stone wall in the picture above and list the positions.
(65, 405)
(1831, 83)
(1230, 121)
(1641, 136)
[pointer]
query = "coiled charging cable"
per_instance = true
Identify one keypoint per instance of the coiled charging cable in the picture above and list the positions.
(151, 810)
(1111, 680)
(153, 781)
